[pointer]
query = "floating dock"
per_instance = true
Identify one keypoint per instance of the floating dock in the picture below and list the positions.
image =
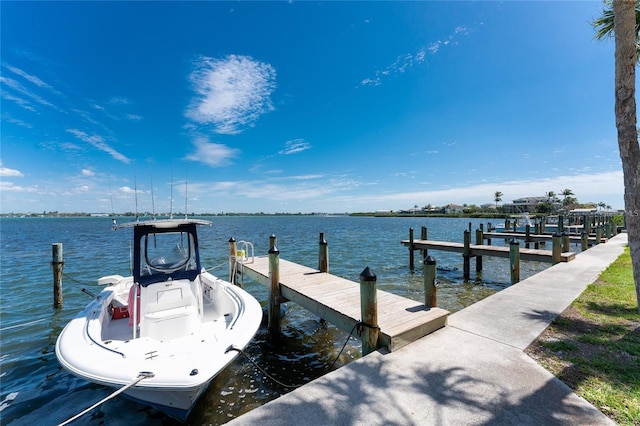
(337, 300)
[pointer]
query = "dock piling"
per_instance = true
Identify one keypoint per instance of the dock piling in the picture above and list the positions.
(565, 242)
(423, 236)
(274, 289)
(430, 291)
(57, 262)
(232, 261)
(466, 256)
(369, 311)
(556, 249)
(514, 260)
(411, 249)
(479, 239)
(323, 254)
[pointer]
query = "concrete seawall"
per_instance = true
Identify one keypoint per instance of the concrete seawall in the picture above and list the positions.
(473, 371)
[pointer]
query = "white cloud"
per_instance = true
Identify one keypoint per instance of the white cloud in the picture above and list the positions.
(119, 100)
(7, 172)
(587, 187)
(212, 154)
(88, 172)
(127, 190)
(294, 146)
(99, 143)
(11, 187)
(16, 86)
(31, 78)
(232, 92)
(408, 60)
(20, 101)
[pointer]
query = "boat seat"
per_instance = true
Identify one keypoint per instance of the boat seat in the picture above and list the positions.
(172, 315)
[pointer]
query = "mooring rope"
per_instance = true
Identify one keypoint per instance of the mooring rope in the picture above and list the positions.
(142, 375)
(24, 324)
(77, 281)
(218, 266)
(357, 325)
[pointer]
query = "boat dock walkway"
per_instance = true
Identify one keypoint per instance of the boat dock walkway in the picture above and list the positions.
(474, 371)
(485, 250)
(337, 300)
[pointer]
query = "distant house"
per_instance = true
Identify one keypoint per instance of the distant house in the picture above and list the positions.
(453, 208)
(488, 206)
(525, 204)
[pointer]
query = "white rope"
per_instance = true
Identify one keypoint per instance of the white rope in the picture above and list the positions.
(23, 324)
(141, 375)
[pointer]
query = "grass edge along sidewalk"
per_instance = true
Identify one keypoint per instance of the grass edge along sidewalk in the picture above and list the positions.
(594, 345)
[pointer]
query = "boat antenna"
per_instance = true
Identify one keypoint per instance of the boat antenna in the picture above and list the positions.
(171, 197)
(135, 190)
(186, 197)
(113, 213)
(153, 203)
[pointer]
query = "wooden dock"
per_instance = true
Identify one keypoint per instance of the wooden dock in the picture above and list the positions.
(536, 238)
(484, 250)
(337, 300)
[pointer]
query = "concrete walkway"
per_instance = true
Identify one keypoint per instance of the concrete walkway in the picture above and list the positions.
(473, 371)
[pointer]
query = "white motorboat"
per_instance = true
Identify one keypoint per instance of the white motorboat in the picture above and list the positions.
(168, 349)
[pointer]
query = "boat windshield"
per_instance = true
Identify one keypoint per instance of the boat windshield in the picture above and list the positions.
(167, 252)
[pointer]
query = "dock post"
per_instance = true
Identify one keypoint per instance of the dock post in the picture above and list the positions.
(430, 291)
(507, 224)
(466, 255)
(527, 238)
(565, 242)
(274, 290)
(543, 222)
(584, 240)
(598, 234)
(369, 311)
(556, 249)
(560, 223)
(232, 261)
(479, 239)
(607, 230)
(423, 236)
(514, 260)
(323, 254)
(489, 229)
(57, 262)
(585, 224)
(411, 249)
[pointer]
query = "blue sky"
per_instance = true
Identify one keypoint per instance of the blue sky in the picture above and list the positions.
(302, 106)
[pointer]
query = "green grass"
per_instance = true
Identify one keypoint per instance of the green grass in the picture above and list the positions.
(595, 347)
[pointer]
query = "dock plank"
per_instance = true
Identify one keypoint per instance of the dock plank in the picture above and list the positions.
(337, 300)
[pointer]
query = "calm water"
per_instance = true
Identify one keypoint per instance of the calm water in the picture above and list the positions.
(34, 388)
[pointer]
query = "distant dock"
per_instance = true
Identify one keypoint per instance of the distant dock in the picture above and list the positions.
(559, 253)
(475, 250)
